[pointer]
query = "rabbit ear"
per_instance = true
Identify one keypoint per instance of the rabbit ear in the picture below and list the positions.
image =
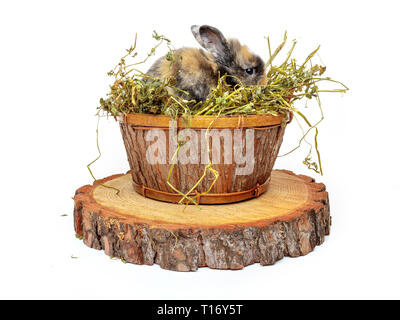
(212, 40)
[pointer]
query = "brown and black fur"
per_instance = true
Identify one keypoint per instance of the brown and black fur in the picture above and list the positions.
(197, 71)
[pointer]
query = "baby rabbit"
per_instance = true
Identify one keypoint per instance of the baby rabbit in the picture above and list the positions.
(197, 71)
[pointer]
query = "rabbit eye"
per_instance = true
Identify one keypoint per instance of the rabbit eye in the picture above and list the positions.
(249, 70)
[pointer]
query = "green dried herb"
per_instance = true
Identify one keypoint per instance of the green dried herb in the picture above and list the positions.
(78, 236)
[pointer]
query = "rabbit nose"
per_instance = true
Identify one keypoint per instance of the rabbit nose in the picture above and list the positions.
(263, 80)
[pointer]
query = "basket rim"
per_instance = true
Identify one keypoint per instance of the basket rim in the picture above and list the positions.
(203, 122)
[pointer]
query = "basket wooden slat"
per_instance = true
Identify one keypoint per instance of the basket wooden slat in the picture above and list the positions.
(267, 141)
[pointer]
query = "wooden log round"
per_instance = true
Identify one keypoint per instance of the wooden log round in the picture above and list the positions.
(290, 219)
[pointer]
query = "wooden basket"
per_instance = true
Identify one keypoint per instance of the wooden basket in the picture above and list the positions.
(150, 180)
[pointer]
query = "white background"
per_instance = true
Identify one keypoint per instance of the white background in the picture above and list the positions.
(54, 59)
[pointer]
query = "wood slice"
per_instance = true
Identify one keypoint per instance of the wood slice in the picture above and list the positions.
(290, 219)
